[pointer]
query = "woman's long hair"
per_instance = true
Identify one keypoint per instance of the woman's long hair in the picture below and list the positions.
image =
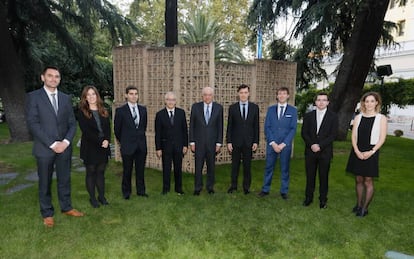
(84, 105)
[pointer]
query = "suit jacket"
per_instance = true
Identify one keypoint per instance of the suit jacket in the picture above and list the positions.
(91, 150)
(45, 126)
(130, 138)
(171, 137)
(281, 130)
(325, 136)
(240, 131)
(206, 135)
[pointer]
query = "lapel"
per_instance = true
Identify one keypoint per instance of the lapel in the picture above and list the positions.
(314, 122)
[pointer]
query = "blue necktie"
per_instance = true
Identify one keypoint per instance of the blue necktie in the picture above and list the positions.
(281, 112)
(207, 114)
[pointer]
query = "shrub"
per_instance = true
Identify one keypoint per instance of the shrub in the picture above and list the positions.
(398, 133)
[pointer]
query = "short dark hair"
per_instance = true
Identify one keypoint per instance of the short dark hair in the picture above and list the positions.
(243, 86)
(282, 89)
(321, 93)
(129, 88)
(50, 67)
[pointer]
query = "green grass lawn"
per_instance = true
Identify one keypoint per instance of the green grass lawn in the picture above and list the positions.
(215, 226)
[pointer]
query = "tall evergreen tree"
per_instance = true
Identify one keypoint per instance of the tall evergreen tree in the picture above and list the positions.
(71, 22)
(351, 27)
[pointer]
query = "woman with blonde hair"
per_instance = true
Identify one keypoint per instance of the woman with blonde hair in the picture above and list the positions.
(94, 151)
(368, 135)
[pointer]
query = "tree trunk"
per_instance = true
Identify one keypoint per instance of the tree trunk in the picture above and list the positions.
(12, 90)
(356, 61)
(171, 27)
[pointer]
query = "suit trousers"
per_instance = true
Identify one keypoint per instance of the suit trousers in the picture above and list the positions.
(241, 153)
(209, 157)
(138, 158)
(168, 159)
(45, 166)
(271, 158)
(312, 163)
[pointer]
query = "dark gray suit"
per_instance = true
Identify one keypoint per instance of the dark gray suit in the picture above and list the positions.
(133, 146)
(46, 127)
(205, 136)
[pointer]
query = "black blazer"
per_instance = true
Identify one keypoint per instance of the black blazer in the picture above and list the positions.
(325, 136)
(171, 137)
(91, 150)
(45, 126)
(243, 132)
(206, 135)
(130, 138)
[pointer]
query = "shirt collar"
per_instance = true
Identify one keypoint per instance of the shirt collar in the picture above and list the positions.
(132, 105)
(49, 92)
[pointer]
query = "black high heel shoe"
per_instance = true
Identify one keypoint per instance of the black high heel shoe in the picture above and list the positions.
(356, 209)
(362, 213)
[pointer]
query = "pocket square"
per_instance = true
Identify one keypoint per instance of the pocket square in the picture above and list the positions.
(288, 116)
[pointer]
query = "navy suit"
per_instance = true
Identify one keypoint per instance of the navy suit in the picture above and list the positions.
(47, 127)
(205, 136)
(133, 146)
(242, 133)
(281, 130)
(171, 138)
(322, 159)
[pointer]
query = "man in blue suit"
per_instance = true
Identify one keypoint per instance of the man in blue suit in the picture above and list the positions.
(280, 129)
(51, 122)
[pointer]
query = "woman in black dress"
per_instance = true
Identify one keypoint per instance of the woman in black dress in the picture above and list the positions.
(368, 134)
(94, 150)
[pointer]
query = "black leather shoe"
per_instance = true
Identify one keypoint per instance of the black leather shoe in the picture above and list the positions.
(164, 192)
(196, 193)
(143, 195)
(262, 194)
(94, 203)
(323, 205)
(284, 196)
(362, 213)
(246, 192)
(210, 191)
(126, 197)
(103, 201)
(231, 190)
(307, 202)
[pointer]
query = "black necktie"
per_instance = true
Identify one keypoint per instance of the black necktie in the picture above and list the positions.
(171, 118)
(244, 111)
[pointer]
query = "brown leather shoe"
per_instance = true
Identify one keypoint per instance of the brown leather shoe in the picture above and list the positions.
(74, 213)
(48, 222)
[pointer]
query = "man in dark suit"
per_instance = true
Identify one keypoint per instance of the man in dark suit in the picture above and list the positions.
(171, 141)
(206, 137)
(280, 129)
(52, 124)
(242, 137)
(318, 131)
(130, 124)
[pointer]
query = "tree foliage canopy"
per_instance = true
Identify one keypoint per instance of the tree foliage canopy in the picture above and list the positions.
(74, 35)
